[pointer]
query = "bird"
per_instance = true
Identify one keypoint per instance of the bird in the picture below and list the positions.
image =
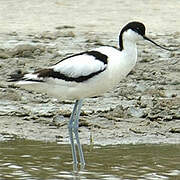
(86, 74)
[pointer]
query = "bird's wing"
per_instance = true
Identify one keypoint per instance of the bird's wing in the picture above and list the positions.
(78, 68)
(83, 64)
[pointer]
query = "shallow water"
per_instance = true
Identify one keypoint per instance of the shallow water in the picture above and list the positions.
(23, 159)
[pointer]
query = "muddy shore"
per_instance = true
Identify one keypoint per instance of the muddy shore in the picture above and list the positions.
(144, 108)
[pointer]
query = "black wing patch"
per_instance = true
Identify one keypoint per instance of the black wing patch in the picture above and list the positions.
(99, 56)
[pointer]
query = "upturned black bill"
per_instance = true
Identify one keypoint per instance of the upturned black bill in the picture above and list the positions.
(146, 38)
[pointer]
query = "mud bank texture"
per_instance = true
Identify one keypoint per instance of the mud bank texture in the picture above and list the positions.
(144, 108)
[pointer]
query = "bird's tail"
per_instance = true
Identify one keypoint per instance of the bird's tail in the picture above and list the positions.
(17, 75)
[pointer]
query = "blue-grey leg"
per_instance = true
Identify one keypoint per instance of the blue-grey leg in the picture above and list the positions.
(71, 127)
(76, 126)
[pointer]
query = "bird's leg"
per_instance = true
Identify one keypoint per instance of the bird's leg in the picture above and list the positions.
(76, 126)
(71, 127)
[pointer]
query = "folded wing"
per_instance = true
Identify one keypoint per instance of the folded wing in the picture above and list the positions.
(78, 68)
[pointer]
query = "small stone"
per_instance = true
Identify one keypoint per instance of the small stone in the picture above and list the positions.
(135, 112)
(59, 121)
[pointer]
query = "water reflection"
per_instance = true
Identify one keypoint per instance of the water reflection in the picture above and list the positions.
(22, 159)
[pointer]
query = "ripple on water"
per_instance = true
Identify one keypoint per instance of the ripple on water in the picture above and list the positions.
(22, 159)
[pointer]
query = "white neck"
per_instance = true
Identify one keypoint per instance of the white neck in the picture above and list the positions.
(128, 40)
(130, 49)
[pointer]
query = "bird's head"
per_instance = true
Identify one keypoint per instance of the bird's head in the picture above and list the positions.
(135, 31)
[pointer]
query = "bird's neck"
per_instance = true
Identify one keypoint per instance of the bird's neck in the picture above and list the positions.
(126, 43)
(129, 45)
(129, 50)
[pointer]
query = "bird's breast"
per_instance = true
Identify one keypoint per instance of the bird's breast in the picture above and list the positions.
(119, 67)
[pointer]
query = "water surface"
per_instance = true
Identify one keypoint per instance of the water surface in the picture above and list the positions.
(23, 159)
